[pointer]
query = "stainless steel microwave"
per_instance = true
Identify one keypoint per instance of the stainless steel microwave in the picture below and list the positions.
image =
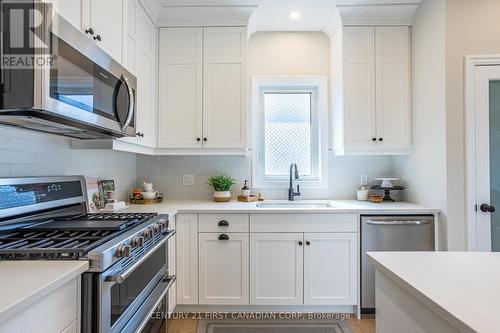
(71, 87)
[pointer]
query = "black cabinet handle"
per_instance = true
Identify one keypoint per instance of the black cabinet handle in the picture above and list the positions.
(89, 31)
(374, 139)
(223, 223)
(308, 243)
(198, 139)
(205, 139)
(139, 134)
(487, 208)
(380, 139)
(300, 243)
(223, 237)
(98, 38)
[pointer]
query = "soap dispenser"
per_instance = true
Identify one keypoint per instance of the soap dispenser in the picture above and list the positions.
(245, 190)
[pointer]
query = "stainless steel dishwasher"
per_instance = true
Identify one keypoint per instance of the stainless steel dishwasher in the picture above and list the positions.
(390, 233)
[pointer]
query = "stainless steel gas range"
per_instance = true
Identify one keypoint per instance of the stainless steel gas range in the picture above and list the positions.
(126, 287)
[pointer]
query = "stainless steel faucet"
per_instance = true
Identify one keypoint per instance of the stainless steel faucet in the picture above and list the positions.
(291, 192)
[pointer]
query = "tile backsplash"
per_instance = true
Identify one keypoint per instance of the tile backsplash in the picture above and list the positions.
(26, 153)
(166, 173)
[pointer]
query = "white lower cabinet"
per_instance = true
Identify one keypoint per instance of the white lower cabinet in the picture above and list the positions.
(223, 268)
(313, 262)
(330, 268)
(276, 265)
(186, 226)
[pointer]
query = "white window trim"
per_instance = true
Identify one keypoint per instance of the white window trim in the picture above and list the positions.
(320, 85)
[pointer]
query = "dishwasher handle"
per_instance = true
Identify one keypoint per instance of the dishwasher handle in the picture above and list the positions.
(397, 223)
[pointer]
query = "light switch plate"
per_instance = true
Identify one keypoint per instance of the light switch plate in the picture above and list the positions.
(188, 180)
(363, 179)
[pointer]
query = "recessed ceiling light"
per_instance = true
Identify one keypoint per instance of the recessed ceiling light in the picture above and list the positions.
(294, 15)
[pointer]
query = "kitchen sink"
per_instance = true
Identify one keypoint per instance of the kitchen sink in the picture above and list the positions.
(295, 204)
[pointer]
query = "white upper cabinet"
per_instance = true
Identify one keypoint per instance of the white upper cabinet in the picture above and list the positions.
(392, 87)
(202, 88)
(375, 115)
(224, 88)
(140, 58)
(106, 19)
(71, 10)
(181, 77)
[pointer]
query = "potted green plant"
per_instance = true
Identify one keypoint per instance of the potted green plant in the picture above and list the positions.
(221, 185)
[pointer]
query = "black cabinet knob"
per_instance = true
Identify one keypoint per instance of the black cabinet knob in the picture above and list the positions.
(300, 243)
(223, 237)
(205, 139)
(374, 139)
(198, 139)
(308, 243)
(89, 31)
(139, 134)
(487, 208)
(223, 223)
(98, 38)
(380, 139)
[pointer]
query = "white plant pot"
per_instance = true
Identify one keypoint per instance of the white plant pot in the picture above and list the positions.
(222, 196)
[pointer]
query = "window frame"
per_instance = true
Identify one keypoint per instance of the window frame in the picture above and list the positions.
(317, 86)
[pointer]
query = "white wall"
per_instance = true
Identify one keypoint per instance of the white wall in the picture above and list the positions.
(26, 153)
(269, 54)
(424, 171)
(472, 28)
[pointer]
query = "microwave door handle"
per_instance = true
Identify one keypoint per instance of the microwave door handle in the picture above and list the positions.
(123, 275)
(131, 102)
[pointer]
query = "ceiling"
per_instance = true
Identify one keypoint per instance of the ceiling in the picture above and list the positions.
(266, 15)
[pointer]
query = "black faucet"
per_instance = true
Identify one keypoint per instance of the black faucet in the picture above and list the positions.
(291, 192)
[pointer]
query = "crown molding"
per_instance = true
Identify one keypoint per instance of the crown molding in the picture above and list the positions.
(388, 13)
(207, 15)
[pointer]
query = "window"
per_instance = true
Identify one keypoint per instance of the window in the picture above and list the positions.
(291, 127)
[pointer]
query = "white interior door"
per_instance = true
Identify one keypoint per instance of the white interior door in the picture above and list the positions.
(487, 157)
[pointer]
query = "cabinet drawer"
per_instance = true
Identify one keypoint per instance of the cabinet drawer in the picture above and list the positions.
(223, 223)
(303, 222)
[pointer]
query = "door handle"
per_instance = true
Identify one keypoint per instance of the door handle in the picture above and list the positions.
(394, 223)
(131, 102)
(487, 208)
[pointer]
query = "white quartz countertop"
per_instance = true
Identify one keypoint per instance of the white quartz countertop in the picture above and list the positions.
(25, 282)
(461, 287)
(339, 206)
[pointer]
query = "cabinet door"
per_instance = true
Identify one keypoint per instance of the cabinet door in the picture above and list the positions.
(187, 258)
(393, 86)
(172, 298)
(106, 18)
(359, 87)
(140, 59)
(330, 269)
(276, 268)
(224, 89)
(223, 268)
(180, 68)
(71, 10)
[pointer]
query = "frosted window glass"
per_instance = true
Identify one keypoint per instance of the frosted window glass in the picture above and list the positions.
(287, 133)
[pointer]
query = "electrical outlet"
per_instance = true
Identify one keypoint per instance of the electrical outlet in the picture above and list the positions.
(363, 180)
(188, 180)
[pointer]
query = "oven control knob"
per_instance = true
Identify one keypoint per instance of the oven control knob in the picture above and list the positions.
(137, 241)
(157, 228)
(148, 233)
(123, 251)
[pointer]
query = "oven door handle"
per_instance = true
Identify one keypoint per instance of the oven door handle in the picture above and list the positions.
(166, 279)
(123, 275)
(131, 101)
